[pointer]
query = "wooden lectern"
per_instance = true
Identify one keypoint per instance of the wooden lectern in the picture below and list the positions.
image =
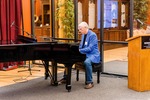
(139, 62)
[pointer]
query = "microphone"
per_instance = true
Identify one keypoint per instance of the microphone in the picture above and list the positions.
(140, 21)
(12, 24)
(12, 42)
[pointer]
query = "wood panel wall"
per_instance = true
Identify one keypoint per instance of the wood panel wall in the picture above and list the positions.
(26, 16)
(113, 35)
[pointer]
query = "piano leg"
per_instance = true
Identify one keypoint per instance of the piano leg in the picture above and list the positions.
(68, 84)
(54, 72)
(46, 65)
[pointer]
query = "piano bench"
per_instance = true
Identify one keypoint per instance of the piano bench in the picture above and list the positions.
(96, 67)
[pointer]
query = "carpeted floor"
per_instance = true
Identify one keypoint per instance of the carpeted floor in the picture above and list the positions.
(110, 88)
(116, 67)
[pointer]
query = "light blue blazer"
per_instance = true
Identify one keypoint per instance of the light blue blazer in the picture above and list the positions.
(90, 47)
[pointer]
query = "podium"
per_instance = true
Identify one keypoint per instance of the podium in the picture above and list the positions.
(139, 63)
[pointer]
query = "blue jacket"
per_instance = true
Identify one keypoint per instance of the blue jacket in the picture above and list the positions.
(90, 47)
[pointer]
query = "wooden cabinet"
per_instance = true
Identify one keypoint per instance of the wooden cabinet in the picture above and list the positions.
(42, 32)
(44, 28)
(45, 12)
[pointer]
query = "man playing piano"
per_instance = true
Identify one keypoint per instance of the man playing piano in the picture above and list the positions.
(88, 46)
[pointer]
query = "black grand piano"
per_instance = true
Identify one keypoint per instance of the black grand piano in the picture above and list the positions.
(56, 52)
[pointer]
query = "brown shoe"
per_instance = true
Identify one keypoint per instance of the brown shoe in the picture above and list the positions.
(88, 86)
(62, 81)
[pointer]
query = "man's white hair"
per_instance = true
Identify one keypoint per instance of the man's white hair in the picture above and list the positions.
(83, 24)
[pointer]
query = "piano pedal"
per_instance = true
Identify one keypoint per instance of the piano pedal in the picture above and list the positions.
(53, 83)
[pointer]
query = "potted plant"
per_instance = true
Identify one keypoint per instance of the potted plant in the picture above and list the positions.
(65, 14)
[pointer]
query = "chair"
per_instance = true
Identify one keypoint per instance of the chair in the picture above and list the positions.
(96, 67)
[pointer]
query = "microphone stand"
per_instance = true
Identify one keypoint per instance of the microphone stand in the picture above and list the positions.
(29, 68)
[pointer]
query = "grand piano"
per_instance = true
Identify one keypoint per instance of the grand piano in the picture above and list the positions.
(56, 52)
